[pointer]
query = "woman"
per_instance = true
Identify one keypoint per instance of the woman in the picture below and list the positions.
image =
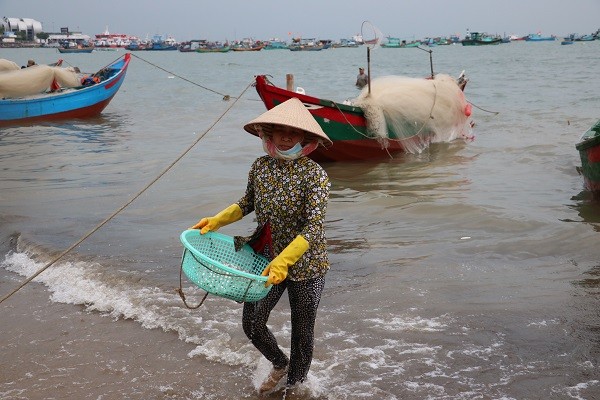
(289, 194)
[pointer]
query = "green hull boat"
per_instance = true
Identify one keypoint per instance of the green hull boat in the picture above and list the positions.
(589, 151)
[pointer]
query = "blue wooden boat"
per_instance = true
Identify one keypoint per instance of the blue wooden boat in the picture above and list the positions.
(567, 41)
(135, 45)
(79, 102)
(584, 38)
(160, 43)
(537, 37)
(396, 43)
(276, 44)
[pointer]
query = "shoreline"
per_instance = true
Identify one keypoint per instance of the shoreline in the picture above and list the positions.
(91, 355)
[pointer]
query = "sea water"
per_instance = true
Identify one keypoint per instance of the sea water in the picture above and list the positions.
(467, 271)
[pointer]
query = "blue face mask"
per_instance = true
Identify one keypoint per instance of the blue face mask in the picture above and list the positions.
(296, 149)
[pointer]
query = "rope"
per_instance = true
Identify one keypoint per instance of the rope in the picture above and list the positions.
(180, 289)
(487, 111)
(127, 203)
(214, 270)
(226, 97)
(101, 69)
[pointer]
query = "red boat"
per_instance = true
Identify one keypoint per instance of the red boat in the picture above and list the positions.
(589, 152)
(345, 125)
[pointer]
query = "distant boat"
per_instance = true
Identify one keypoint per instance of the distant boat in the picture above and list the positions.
(537, 37)
(191, 46)
(113, 40)
(589, 152)
(83, 101)
(223, 49)
(345, 43)
(306, 48)
(213, 47)
(397, 43)
(242, 48)
(480, 39)
(88, 49)
(567, 41)
(159, 43)
(306, 45)
(276, 44)
(136, 45)
(583, 38)
(247, 45)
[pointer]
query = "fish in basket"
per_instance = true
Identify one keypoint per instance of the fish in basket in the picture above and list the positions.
(211, 262)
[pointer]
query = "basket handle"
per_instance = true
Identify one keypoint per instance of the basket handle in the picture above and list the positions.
(180, 290)
(246, 291)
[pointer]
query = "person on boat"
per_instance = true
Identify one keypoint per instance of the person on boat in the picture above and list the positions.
(30, 63)
(362, 79)
(288, 193)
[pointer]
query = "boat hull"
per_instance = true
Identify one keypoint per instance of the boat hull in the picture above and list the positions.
(213, 50)
(480, 42)
(256, 48)
(345, 125)
(480, 39)
(540, 38)
(161, 48)
(75, 50)
(589, 152)
(472, 42)
(72, 103)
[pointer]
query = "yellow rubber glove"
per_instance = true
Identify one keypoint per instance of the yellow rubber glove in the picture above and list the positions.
(227, 216)
(277, 269)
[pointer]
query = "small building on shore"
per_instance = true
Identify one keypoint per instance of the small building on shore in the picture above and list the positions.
(28, 26)
(67, 39)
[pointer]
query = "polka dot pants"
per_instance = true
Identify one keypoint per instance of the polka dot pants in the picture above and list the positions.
(304, 297)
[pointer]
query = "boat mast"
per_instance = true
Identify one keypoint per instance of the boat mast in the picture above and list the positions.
(430, 59)
(362, 34)
(369, 68)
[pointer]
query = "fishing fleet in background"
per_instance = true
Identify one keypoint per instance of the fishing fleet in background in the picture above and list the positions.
(80, 43)
(355, 131)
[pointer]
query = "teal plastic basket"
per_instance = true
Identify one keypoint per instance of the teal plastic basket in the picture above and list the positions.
(211, 262)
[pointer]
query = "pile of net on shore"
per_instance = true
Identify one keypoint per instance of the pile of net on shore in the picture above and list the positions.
(415, 111)
(20, 82)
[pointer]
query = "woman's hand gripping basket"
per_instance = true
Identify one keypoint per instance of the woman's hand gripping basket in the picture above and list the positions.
(211, 262)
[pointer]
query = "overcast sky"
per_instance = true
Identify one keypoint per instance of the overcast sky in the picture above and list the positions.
(323, 19)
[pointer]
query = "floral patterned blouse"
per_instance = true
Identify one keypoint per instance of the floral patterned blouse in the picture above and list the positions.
(292, 197)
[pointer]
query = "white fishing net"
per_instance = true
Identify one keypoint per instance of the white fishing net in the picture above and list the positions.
(36, 79)
(7, 65)
(415, 111)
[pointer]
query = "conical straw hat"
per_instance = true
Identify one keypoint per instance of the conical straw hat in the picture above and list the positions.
(290, 113)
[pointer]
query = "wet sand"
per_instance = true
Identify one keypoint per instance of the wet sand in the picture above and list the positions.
(91, 356)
